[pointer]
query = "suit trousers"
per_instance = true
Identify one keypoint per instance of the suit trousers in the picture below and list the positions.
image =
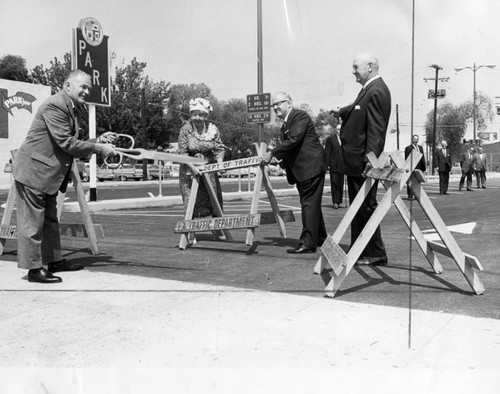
(336, 186)
(444, 179)
(376, 246)
(466, 175)
(480, 178)
(313, 225)
(38, 237)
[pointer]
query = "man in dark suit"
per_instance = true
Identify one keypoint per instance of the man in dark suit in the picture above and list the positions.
(334, 159)
(42, 167)
(443, 164)
(304, 160)
(364, 127)
(414, 147)
(466, 159)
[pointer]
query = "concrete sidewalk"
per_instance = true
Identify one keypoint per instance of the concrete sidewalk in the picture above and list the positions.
(108, 333)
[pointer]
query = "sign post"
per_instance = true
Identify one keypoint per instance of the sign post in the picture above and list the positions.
(259, 108)
(90, 54)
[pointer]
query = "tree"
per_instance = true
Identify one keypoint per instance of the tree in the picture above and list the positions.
(54, 75)
(452, 122)
(13, 68)
(325, 122)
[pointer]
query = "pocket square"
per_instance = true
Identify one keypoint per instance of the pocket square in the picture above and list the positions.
(357, 107)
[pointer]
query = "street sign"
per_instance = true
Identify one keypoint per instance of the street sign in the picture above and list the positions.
(259, 108)
(90, 54)
(441, 93)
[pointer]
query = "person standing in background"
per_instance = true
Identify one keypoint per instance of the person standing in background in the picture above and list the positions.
(334, 158)
(442, 158)
(467, 168)
(479, 162)
(414, 147)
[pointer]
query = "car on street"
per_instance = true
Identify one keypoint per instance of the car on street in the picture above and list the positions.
(127, 171)
(103, 173)
(154, 171)
(236, 172)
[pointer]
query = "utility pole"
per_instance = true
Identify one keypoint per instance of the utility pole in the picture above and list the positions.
(260, 63)
(437, 79)
(397, 127)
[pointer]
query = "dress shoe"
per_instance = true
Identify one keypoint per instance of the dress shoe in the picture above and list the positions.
(484, 187)
(459, 189)
(445, 193)
(301, 249)
(64, 265)
(469, 190)
(372, 261)
(335, 206)
(41, 275)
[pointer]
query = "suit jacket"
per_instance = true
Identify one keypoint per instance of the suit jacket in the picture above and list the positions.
(443, 163)
(302, 154)
(421, 164)
(44, 159)
(466, 162)
(479, 162)
(333, 152)
(364, 126)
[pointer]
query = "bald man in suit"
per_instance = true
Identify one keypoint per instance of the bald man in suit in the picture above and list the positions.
(364, 127)
(42, 168)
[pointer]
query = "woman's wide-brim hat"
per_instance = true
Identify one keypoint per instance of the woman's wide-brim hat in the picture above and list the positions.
(200, 104)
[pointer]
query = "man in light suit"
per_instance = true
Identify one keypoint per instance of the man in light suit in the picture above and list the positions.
(480, 163)
(414, 147)
(364, 127)
(42, 167)
(467, 168)
(334, 158)
(304, 160)
(443, 165)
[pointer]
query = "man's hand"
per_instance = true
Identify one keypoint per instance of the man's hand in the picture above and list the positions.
(108, 137)
(266, 157)
(335, 112)
(106, 150)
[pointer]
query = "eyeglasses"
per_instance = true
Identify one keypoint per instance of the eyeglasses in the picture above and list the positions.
(198, 113)
(276, 105)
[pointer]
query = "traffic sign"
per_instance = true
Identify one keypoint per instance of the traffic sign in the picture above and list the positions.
(90, 54)
(441, 93)
(259, 108)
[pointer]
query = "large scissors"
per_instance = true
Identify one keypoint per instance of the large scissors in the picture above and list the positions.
(144, 154)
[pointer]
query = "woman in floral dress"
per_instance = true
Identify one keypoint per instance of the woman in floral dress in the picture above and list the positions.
(200, 138)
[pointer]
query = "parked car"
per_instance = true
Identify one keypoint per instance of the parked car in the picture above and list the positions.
(235, 173)
(276, 171)
(104, 173)
(173, 170)
(154, 171)
(127, 171)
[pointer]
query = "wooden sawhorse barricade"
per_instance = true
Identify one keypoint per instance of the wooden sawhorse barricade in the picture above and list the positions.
(225, 222)
(394, 177)
(8, 231)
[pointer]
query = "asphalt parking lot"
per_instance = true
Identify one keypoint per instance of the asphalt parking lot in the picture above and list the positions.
(141, 243)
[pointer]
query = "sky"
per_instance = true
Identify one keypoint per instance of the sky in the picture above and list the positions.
(308, 45)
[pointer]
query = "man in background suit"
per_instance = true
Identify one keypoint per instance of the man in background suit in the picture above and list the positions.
(480, 163)
(304, 160)
(334, 158)
(467, 168)
(443, 165)
(414, 147)
(42, 167)
(364, 127)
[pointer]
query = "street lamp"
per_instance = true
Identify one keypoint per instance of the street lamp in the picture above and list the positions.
(474, 68)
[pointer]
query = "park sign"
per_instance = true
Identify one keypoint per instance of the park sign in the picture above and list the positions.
(90, 54)
(259, 108)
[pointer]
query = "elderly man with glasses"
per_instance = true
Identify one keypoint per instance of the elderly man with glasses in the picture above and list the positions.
(304, 160)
